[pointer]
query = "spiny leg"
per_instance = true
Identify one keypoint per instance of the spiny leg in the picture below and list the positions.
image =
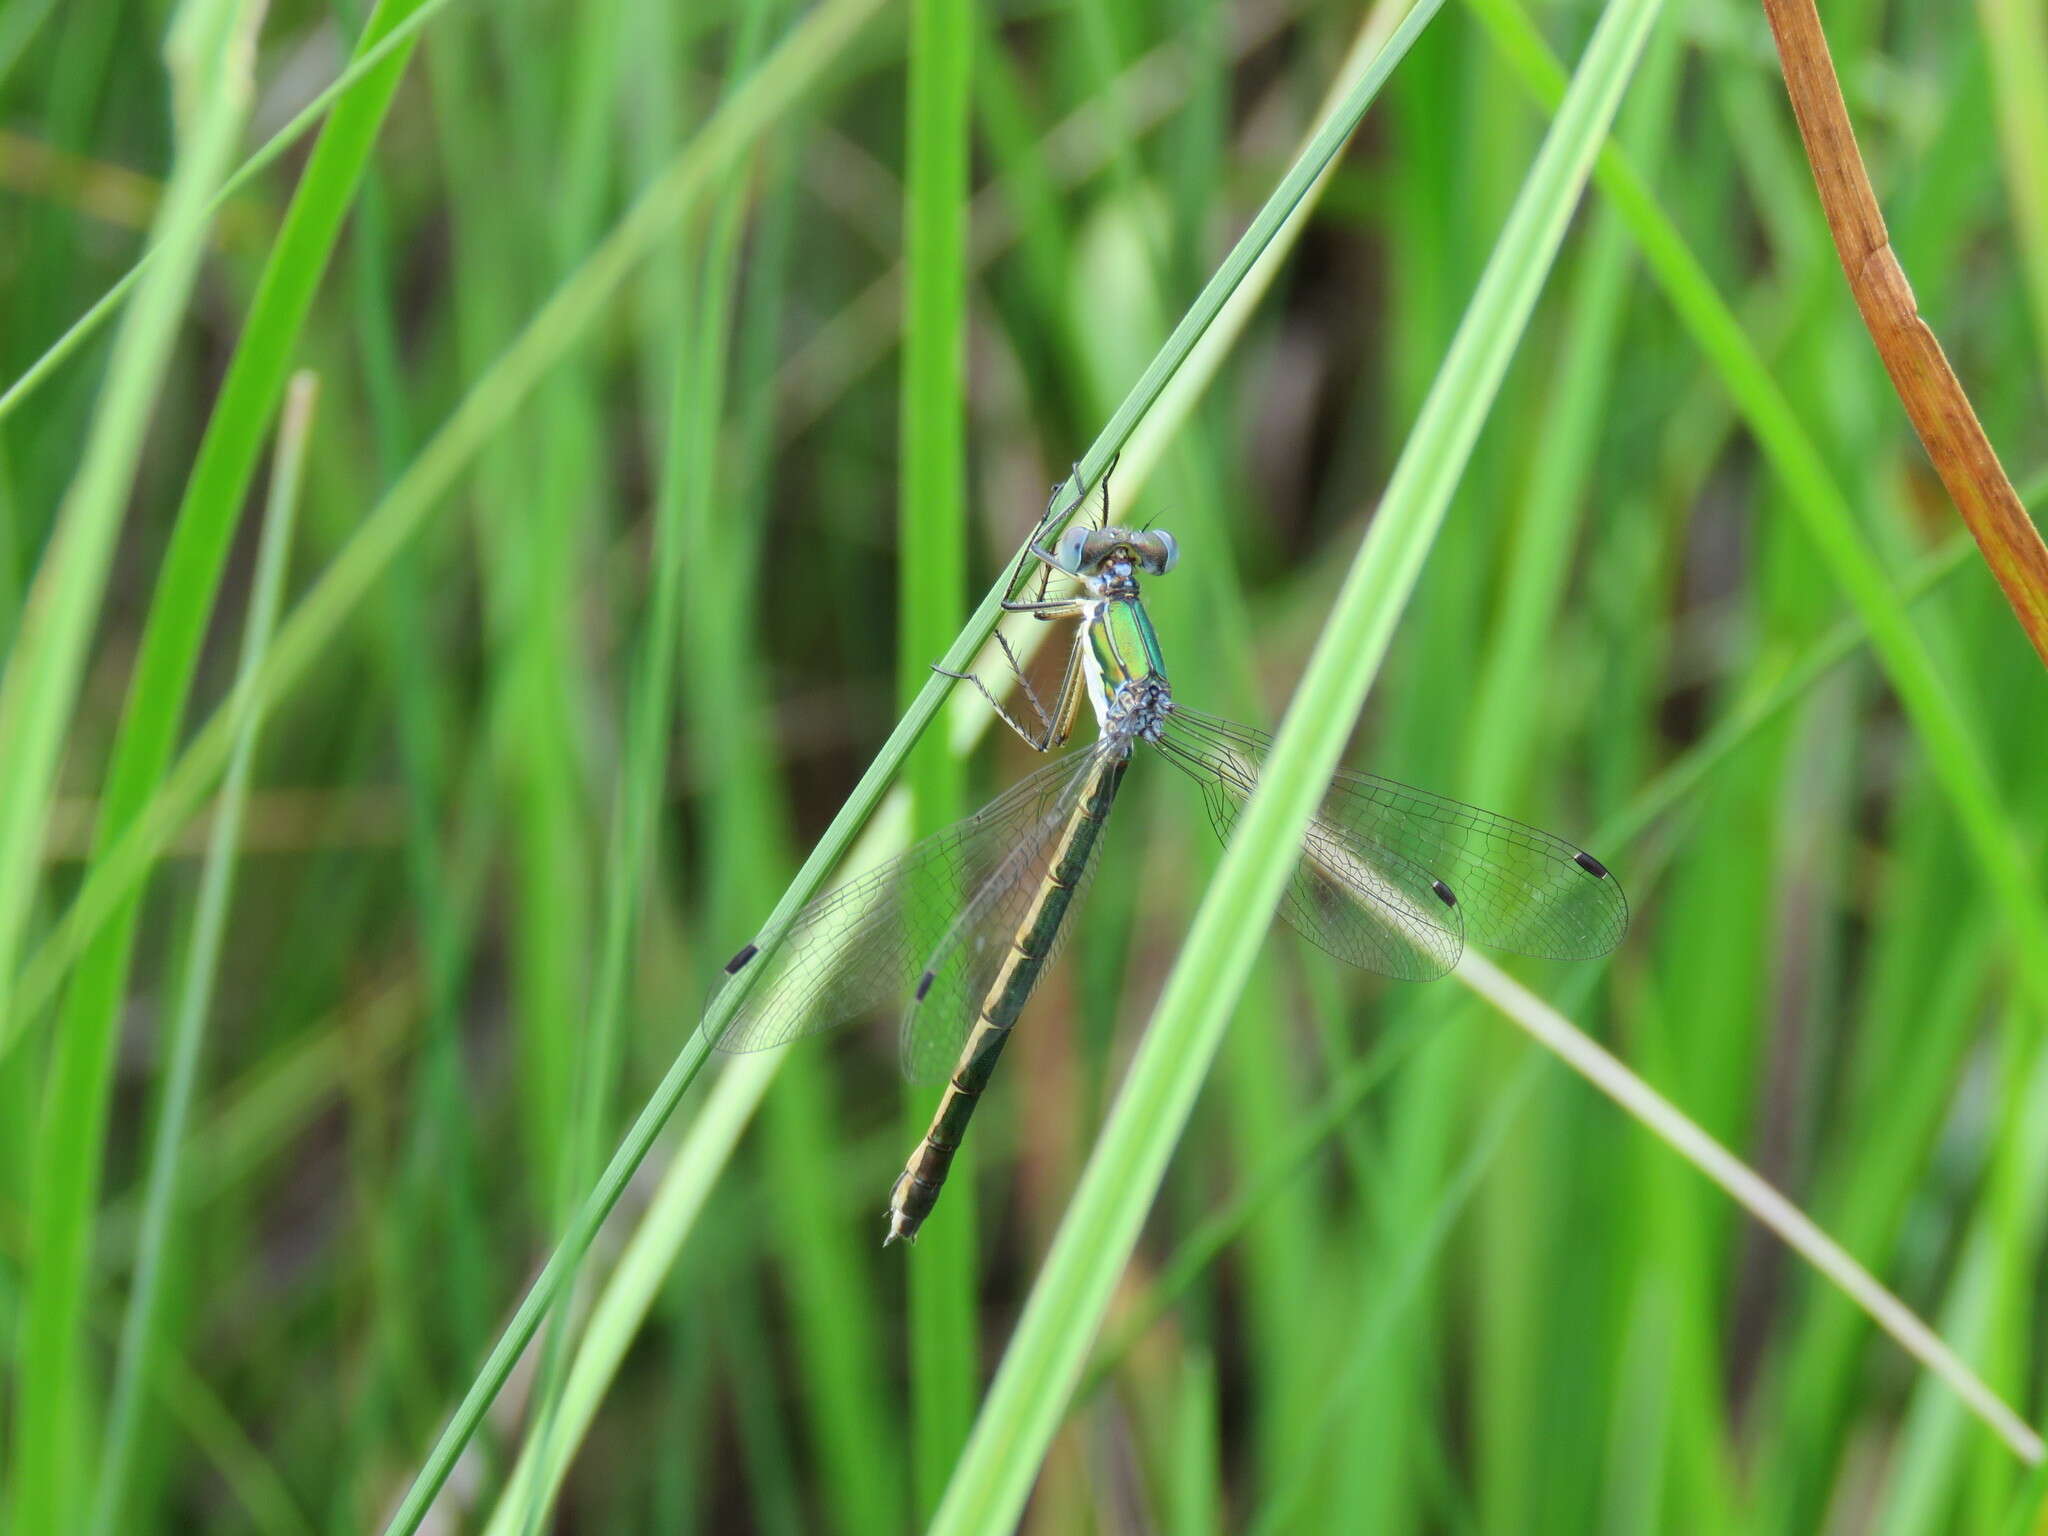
(1047, 565)
(1053, 513)
(1030, 693)
(1054, 727)
(1042, 608)
(1039, 741)
(1023, 681)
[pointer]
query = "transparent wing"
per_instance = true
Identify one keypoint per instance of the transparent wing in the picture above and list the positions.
(1364, 902)
(1517, 888)
(858, 950)
(965, 964)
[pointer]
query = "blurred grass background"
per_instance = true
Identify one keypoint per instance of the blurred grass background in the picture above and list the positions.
(559, 755)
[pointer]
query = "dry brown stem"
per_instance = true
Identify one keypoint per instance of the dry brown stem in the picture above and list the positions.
(1941, 413)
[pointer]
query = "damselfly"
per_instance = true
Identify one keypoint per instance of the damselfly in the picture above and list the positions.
(1391, 879)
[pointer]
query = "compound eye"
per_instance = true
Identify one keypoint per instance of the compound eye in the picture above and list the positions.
(1165, 550)
(1070, 547)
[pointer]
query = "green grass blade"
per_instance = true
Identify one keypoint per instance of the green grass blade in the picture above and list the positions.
(1295, 186)
(186, 1036)
(2016, 45)
(210, 58)
(1046, 1352)
(931, 587)
(1207, 1239)
(210, 50)
(18, 28)
(187, 590)
(1931, 1476)
(2029, 1513)
(1372, 56)
(1195, 1489)
(823, 1247)
(256, 1485)
(1019, 205)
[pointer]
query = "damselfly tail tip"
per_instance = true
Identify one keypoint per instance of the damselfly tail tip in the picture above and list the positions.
(901, 1228)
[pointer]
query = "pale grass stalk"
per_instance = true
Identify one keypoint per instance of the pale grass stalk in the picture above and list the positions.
(1670, 1125)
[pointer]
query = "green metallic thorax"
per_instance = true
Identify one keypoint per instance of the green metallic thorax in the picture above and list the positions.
(1124, 647)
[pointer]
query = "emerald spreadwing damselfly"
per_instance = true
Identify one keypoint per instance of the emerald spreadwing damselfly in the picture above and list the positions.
(960, 928)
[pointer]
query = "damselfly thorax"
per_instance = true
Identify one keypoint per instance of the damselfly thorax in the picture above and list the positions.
(963, 925)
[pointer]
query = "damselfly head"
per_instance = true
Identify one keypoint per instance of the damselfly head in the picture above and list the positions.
(1117, 553)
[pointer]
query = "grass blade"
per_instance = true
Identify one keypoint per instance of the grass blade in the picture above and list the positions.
(210, 50)
(931, 594)
(186, 1036)
(2016, 35)
(186, 592)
